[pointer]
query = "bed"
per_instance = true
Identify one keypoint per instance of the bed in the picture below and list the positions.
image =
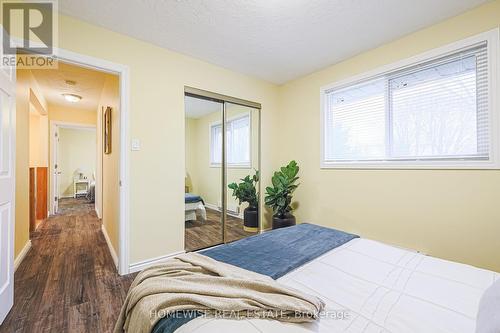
(372, 287)
(194, 206)
(367, 286)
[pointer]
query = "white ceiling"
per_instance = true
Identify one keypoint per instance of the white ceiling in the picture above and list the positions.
(88, 84)
(276, 40)
(197, 107)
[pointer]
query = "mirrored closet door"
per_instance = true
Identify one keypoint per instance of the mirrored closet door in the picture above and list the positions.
(222, 138)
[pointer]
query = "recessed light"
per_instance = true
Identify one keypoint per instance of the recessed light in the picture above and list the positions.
(72, 98)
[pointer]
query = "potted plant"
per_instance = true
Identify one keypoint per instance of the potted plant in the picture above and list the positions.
(246, 192)
(279, 196)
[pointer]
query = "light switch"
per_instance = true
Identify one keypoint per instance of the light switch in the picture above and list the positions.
(136, 144)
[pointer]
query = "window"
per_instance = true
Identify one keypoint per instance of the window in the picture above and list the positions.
(237, 142)
(435, 113)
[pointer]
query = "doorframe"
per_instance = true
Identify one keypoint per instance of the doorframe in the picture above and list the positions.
(122, 71)
(52, 143)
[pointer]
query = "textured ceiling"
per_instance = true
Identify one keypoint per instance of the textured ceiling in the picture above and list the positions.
(276, 40)
(88, 84)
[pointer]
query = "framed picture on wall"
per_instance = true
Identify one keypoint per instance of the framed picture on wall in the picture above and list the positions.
(107, 130)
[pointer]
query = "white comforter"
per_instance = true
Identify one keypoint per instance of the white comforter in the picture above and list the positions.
(378, 288)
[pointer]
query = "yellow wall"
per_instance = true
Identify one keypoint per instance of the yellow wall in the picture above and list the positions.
(21, 236)
(27, 93)
(448, 213)
(39, 139)
(157, 80)
(77, 150)
(72, 115)
(110, 163)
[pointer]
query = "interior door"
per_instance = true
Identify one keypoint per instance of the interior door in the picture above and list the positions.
(57, 172)
(7, 188)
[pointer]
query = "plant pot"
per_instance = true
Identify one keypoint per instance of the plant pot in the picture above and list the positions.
(286, 221)
(251, 219)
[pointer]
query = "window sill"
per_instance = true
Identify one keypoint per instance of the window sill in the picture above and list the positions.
(233, 166)
(424, 165)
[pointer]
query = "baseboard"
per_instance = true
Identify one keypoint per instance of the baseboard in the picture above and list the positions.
(139, 266)
(22, 255)
(212, 206)
(110, 246)
(216, 208)
(97, 212)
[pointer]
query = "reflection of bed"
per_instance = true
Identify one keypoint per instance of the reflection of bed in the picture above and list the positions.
(194, 204)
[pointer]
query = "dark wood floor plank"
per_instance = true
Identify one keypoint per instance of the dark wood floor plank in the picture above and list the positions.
(68, 281)
(202, 234)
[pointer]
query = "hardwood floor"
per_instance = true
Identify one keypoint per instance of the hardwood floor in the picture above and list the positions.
(201, 234)
(68, 281)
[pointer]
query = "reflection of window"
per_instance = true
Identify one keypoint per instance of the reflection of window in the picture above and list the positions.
(435, 113)
(237, 142)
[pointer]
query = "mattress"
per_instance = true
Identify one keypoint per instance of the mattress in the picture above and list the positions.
(373, 287)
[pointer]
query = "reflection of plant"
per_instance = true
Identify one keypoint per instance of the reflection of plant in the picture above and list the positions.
(279, 197)
(245, 191)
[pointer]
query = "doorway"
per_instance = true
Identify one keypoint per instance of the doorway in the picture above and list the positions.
(74, 163)
(80, 75)
(222, 185)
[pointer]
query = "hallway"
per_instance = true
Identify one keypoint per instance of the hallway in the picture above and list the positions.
(68, 281)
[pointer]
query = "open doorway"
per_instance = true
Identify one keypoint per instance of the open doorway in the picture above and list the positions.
(74, 141)
(74, 166)
(82, 245)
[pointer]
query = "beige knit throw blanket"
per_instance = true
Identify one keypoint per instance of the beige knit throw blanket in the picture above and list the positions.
(196, 282)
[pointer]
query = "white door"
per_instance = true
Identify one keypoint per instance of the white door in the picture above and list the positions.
(57, 171)
(7, 188)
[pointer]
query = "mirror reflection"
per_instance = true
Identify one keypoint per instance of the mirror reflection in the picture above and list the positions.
(219, 212)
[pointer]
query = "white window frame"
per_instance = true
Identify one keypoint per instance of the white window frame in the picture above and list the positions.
(492, 38)
(232, 165)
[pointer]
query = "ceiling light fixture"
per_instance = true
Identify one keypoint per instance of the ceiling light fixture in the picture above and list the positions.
(72, 98)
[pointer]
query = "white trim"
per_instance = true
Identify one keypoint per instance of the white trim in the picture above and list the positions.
(492, 37)
(123, 72)
(230, 213)
(110, 246)
(139, 266)
(212, 206)
(20, 257)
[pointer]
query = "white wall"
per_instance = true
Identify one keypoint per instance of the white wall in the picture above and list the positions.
(77, 150)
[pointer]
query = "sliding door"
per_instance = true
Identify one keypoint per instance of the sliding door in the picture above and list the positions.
(204, 154)
(222, 138)
(241, 171)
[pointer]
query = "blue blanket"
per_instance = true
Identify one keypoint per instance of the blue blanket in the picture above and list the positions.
(273, 253)
(192, 198)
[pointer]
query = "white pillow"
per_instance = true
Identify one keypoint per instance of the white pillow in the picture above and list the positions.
(488, 315)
